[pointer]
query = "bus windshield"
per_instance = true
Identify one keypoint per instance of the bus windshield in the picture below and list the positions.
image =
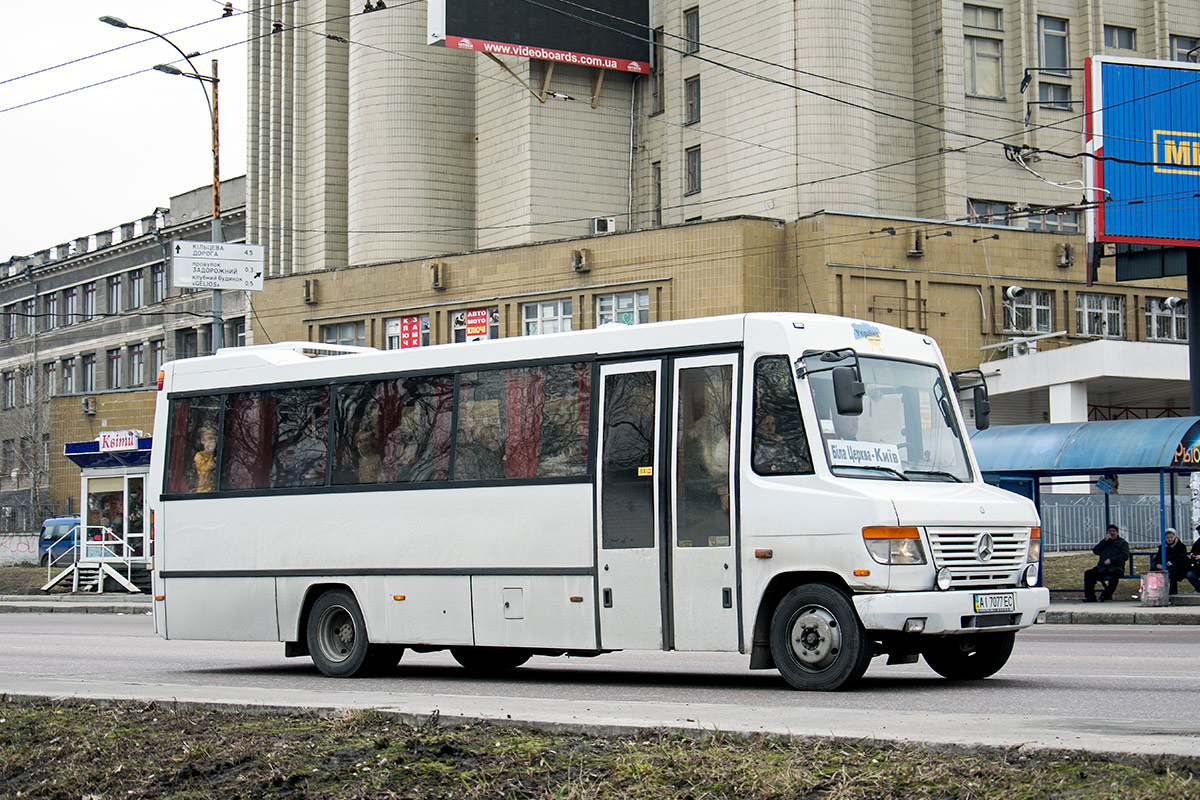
(907, 429)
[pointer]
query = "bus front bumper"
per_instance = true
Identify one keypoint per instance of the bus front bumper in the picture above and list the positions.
(953, 611)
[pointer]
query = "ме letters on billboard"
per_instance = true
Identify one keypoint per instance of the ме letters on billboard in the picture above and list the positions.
(610, 34)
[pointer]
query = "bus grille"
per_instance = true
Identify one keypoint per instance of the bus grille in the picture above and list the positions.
(958, 549)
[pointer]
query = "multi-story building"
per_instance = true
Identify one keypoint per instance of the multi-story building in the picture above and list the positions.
(87, 324)
(367, 145)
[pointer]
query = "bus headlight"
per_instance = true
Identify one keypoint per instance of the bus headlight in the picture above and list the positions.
(944, 578)
(1031, 574)
(1035, 546)
(894, 545)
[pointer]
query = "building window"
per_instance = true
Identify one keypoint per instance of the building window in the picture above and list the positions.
(983, 55)
(137, 291)
(347, 333)
(112, 374)
(692, 166)
(10, 390)
(137, 365)
(1054, 95)
(1101, 315)
(476, 324)
(68, 376)
(187, 343)
(1119, 38)
(49, 373)
(51, 311)
(158, 355)
(1054, 221)
(657, 71)
(89, 301)
(691, 96)
(1166, 323)
(989, 212)
(1052, 44)
(691, 30)
(70, 306)
(1031, 312)
(656, 189)
(405, 332)
(114, 294)
(158, 283)
(237, 330)
(28, 386)
(29, 314)
(547, 316)
(9, 463)
(1181, 46)
(88, 368)
(627, 308)
(10, 322)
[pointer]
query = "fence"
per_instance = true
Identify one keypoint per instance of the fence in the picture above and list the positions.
(26, 518)
(1076, 522)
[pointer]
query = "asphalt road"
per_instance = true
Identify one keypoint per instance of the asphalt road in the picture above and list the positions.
(1101, 688)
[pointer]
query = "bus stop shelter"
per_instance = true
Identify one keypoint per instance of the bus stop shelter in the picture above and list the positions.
(1018, 457)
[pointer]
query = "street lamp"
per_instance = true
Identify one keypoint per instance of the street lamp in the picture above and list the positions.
(218, 324)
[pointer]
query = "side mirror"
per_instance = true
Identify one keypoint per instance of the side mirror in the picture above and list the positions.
(848, 391)
(983, 408)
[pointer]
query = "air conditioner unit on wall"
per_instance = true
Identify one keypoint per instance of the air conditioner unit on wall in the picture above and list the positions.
(89, 406)
(1022, 349)
(604, 225)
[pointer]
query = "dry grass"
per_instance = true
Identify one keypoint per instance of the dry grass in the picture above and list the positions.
(22, 579)
(50, 750)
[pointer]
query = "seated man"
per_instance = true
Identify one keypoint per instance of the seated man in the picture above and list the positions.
(1112, 552)
(1177, 559)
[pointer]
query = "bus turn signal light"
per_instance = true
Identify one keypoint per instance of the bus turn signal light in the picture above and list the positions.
(764, 553)
(162, 375)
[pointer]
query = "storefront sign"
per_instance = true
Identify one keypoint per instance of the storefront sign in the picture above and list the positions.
(118, 440)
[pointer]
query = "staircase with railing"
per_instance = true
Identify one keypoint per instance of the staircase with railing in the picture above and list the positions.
(99, 559)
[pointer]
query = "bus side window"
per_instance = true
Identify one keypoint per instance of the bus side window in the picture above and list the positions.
(779, 445)
(361, 412)
(301, 425)
(563, 416)
(249, 427)
(192, 444)
(479, 452)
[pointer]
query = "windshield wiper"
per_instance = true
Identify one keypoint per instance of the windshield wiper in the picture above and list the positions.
(889, 470)
(937, 472)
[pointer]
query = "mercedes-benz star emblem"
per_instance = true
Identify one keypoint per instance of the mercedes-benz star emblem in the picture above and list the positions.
(985, 547)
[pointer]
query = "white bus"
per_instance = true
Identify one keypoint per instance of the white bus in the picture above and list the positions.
(799, 488)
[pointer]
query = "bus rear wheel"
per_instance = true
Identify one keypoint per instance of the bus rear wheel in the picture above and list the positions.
(490, 659)
(970, 658)
(337, 636)
(817, 640)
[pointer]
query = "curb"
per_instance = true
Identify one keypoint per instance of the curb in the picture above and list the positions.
(1121, 618)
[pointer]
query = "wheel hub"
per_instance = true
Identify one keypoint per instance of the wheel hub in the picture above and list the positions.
(816, 638)
(336, 637)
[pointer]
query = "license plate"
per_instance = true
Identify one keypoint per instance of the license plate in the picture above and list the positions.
(999, 603)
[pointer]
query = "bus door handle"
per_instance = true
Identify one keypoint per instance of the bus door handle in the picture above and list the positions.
(607, 598)
(727, 597)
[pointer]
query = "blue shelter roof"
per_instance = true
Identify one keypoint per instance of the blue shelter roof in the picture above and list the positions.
(1089, 448)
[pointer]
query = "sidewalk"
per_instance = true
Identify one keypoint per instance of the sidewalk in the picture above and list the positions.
(1062, 611)
(108, 603)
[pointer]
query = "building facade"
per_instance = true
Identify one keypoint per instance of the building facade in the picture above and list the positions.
(367, 145)
(85, 326)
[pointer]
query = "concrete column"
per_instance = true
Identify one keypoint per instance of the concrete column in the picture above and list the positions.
(1068, 403)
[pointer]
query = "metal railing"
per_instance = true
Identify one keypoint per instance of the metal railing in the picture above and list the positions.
(96, 544)
(1076, 522)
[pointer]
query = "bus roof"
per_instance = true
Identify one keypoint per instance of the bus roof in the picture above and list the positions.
(312, 361)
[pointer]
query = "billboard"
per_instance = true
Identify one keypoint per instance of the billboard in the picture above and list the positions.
(606, 34)
(1143, 127)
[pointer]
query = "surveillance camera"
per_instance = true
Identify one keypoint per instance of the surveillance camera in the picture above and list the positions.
(1013, 292)
(1173, 302)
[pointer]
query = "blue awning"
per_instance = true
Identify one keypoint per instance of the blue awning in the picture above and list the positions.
(1089, 448)
(88, 455)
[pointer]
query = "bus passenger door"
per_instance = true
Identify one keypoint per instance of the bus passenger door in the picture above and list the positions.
(628, 515)
(704, 569)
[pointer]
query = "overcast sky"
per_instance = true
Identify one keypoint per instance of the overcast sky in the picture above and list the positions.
(92, 158)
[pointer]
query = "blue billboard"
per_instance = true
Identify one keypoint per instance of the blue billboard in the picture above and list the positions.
(1143, 126)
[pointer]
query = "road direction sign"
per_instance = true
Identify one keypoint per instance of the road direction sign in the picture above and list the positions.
(217, 265)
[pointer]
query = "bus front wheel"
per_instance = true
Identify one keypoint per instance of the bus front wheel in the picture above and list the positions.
(817, 640)
(337, 636)
(970, 658)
